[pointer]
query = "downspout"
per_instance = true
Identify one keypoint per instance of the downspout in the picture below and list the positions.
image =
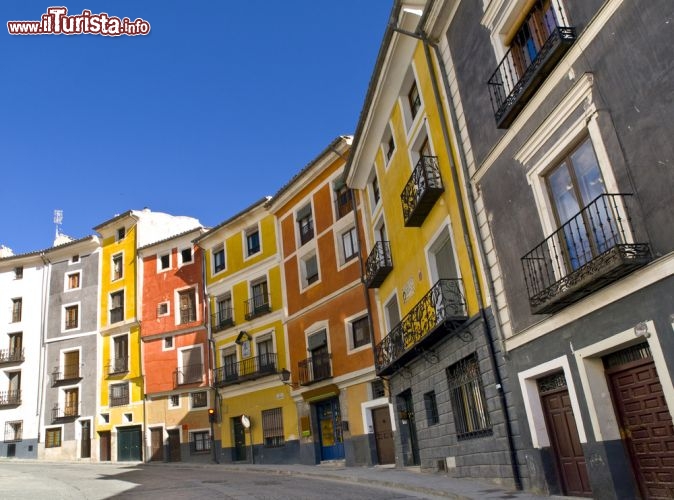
(420, 35)
(46, 279)
(211, 355)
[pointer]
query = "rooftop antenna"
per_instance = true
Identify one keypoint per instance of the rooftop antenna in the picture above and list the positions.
(58, 220)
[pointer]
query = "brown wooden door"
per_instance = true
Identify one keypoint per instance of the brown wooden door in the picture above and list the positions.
(85, 444)
(174, 445)
(157, 444)
(565, 442)
(646, 426)
(383, 435)
(105, 451)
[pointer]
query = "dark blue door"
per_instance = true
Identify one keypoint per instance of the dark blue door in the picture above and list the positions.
(330, 429)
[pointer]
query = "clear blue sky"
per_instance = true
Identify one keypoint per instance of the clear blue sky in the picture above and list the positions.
(218, 106)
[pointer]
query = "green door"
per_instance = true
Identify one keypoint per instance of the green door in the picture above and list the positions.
(129, 441)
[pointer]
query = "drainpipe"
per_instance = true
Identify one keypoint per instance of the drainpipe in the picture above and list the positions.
(46, 280)
(420, 35)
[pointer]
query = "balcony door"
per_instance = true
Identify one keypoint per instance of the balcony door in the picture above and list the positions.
(573, 185)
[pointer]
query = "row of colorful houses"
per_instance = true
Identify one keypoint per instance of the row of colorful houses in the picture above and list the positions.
(477, 283)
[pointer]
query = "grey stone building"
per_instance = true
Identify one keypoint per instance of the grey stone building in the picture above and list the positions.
(562, 114)
(70, 351)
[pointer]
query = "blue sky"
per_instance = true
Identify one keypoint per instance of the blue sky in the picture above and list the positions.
(218, 106)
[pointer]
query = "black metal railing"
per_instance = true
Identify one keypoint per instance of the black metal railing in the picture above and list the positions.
(592, 249)
(11, 355)
(118, 365)
(65, 412)
(314, 369)
(444, 304)
(257, 306)
(66, 372)
(187, 315)
(119, 396)
(9, 398)
(528, 62)
(306, 231)
(247, 369)
(423, 188)
(378, 265)
(222, 319)
(190, 374)
(116, 314)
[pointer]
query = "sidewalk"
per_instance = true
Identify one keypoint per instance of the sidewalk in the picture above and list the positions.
(434, 484)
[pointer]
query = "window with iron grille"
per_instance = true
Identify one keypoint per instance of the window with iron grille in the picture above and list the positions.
(119, 394)
(72, 317)
(199, 399)
(471, 418)
(174, 401)
(200, 442)
(378, 389)
(13, 431)
(272, 428)
(52, 438)
(431, 405)
(188, 306)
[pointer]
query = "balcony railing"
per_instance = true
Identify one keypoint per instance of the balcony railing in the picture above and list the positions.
(10, 398)
(190, 374)
(257, 306)
(118, 365)
(248, 369)
(66, 373)
(306, 231)
(315, 369)
(65, 412)
(441, 311)
(379, 264)
(594, 248)
(523, 69)
(423, 188)
(222, 319)
(11, 356)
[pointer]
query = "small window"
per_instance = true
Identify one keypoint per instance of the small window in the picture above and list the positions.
(199, 399)
(168, 342)
(309, 270)
(431, 405)
(71, 317)
(105, 418)
(360, 332)
(73, 281)
(375, 191)
(471, 418)
(165, 262)
(350, 244)
(75, 259)
(52, 438)
(200, 442)
(186, 255)
(389, 145)
(119, 394)
(17, 306)
(252, 241)
(305, 224)
(272, 428)
(18, 273)
(121, 233)
(174, 401)
(163, 309)
(378, 389)
(344, 199)
(117, 267)
(218, 258)
(413, 99)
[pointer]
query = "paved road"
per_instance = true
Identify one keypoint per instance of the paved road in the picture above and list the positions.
(42, 480)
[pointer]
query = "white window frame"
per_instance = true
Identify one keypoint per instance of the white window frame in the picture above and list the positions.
(302, 268)
(410, 123)
(118, 231)
(342, 261)
(296, 223)
(181, 261)
(74, 259)
(214, 250)
(421, 134)
(128, 391)
(168, 401)
(163, 343)
(200, 431)
(180, 351)
(62, 358)
(348, 330)
(109, 311)
(388, 133)
(112, 266)
(167, 303)
(176, 301)
(160, 268)
(66, 280)
(374, 204)
(254, 228)
(77, 304)
(208, 400)
(316, 328)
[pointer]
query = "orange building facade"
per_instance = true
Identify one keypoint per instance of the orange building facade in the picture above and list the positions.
(329, 330)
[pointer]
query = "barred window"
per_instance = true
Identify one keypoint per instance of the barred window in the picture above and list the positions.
(199, 399)
(13, 431)
(471, 418)
(200, 441)
(119, 394)
(52, 438)
(272, 428)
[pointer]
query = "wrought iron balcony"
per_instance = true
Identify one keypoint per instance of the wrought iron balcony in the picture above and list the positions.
(595, 247)
(524, 67)
(441, 311)
(66, 373)
(10, 398)
(65, 412)
(118, 365)
(379, 264)
(190, 374)
(11, 356)
(247, 369)
(257, 306)
(222, 319)
(422, 190)
(314, 369)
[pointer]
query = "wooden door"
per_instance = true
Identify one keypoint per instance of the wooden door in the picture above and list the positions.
(646, 426)
(561, 427)
(105, 448)
(174, 445)
(157, 444)
(330, 428)
(239, 434)
(85, 444)
(129, 444)
(383, 435)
